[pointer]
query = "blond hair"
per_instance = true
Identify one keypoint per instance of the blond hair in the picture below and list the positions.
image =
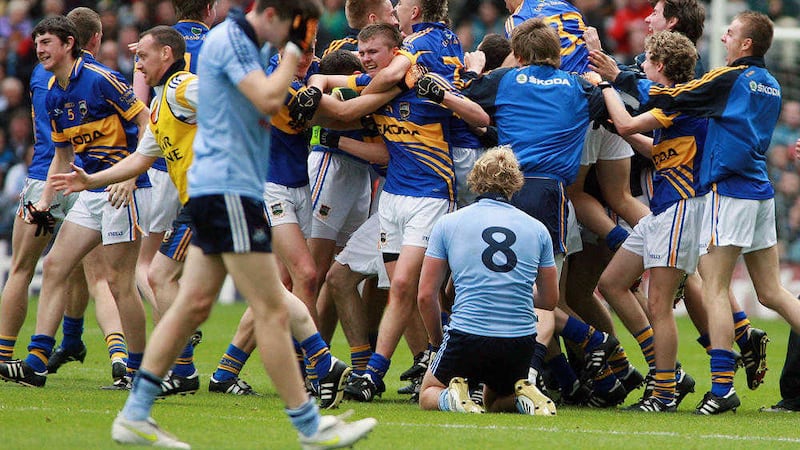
(496, 171)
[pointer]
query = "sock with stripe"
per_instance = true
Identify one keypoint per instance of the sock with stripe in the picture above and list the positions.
(376, 368)
(664, 390)
(184, 365)
(646, 343)
(305, 418)
(39, 351)
(117, 349)
(133, 363)
(723, 366)
(359, 357)
(231, 363)
(318, 355)
(705, 341)
(7, 344)
(741, 324)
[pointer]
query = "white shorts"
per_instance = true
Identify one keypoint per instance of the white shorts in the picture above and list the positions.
(574, 241)
(670, 239)
(165, 201)
(32, 192)
(288, 205)
(749, 224)
(116, 225)
(603, 144)
(463, 161)
(408, 220)
(363, 254)
(340, 195)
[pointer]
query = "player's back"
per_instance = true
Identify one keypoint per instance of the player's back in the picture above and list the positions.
(231, 148)
(494, 251)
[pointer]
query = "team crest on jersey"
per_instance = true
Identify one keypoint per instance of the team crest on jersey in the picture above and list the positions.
(196, 31)
(82, 108)
(405, 110)
(522, 78)
(276, 209)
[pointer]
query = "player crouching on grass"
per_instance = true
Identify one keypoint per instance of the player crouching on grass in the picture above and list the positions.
(495, 252)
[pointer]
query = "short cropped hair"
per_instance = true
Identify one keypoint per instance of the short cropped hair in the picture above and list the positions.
(759, 28)
(358, 11)
(191, 9)
(496, 48)
(87, 24)
(675, 51)
(535, 42)
(62, 28)
(391, 33)
(340, 62)
(691, 17)
(166, 36)
(498, 171)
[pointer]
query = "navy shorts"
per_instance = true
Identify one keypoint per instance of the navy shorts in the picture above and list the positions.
(176, 239)
(545, 200)
(229, 223)
(496, 362)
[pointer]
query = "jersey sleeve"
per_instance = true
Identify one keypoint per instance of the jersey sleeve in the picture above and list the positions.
(483, 90)
(147, 144)
(704, 97)
(238, 59)
(436, 244)
(120, 94)
(546, 243)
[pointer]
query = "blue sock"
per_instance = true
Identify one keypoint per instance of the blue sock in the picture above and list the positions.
(539, 352)
(605, 381)
(146, 386)
(723, 366)
(39, 351)
(705, 341)
(581, 333)
(231, 363)
(563, 372)
(305, 418)
(134, 361)
(377, 367)
(184, 365)
(444, 402)
(73, 331)
(318, 354)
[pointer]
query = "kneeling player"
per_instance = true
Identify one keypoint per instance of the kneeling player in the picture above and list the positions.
(495, 252)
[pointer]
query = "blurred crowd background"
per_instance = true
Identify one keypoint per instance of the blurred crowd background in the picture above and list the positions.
(620, 24)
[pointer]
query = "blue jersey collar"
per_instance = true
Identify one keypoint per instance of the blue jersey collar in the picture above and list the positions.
(494, 196)
(757, 61)
(423, 25)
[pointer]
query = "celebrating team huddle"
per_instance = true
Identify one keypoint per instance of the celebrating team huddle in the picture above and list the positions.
(463, 188)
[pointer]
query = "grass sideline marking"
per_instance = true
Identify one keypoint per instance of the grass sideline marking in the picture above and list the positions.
(487, 427)
(586, 431)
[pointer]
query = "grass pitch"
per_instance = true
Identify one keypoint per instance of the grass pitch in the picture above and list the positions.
(71, 412)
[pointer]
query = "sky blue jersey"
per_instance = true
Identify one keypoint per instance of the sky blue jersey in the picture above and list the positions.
(231, 148)
(494, 251)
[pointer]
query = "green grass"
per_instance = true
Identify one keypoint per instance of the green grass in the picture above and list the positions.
(71, 412)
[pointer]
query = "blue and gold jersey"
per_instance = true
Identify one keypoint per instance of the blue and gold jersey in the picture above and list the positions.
(438, 49)
(568, 22)
(743, 103)
(349, 42)
(542, 113)
(94, 113)
(288, 158)
(677, 155)
(194, 33)
(43, 149)
(416, 133)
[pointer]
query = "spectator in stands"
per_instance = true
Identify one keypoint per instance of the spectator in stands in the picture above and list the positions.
(788, 129)
(489, 18)
(332, 23)
(628, 29)
(775, 9)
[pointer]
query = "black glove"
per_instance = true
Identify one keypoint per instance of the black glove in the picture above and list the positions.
(303, 31)
(368, 123)
(428, 87)
(303, 106)
(45, 222)
(325, 138)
